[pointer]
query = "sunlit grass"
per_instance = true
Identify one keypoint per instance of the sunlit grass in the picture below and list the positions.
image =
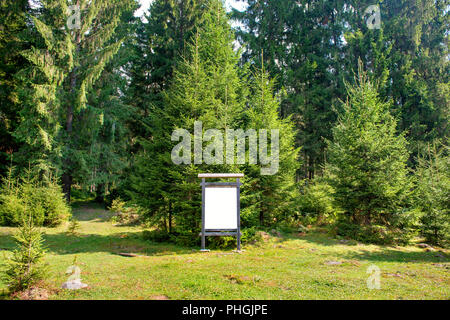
(281, 268)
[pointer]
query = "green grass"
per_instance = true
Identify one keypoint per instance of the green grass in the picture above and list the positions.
(281, 268)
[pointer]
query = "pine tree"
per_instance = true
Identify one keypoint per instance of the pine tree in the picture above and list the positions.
(300, 44)
(12, 26)
(269, 199)
(433, 194)
(209, 88)
(103, 127)
(159, 42)
(25, 267)
(67, 63)
(367, 158)
(206, 88)
(73, 227)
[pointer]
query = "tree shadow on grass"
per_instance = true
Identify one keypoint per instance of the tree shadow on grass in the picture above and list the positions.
(385, 254)
(92, 214)
(63, 243)
(378, 253)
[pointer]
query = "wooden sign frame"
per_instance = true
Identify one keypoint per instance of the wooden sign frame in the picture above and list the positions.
(221, 232)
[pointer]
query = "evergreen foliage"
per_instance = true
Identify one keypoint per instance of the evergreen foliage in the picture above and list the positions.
(205, 88)
(367, 160)
(269, 199)
(25, 267)
(433, 195)
(65, 66)
(96, 107)
(43, 201)
(12, 26)
(208, 87)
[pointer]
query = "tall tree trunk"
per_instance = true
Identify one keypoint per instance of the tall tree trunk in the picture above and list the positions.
(100, 194)
(261, 213)
(67, 175)
(170, 217)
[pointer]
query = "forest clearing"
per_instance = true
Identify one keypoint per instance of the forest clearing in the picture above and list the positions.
(300, 267)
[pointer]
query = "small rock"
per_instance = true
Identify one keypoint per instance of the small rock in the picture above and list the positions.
(333, 263)
(264, 235)
(131, 255)
(442, 265)
(423, 245)
(275, 232)
(74, 285)
(161, 297)
(398, 275)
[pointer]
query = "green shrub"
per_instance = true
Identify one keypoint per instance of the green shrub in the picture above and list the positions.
(192, 239)
(248, 236)
(117, 206)
(124, 214)
(185, 239)
(74, 225)
(52, 201)
(46, 202)
(11, 209)
(221, 242)
(377, 234)
(316, 203)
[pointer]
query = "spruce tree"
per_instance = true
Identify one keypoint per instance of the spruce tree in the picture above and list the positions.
(409, 56)
(300, 44)
(12, 26)
(25, 267)
(66, 64)
(433, 194)
(268, 199)
(206, 88)
(159, 43)
(209, 88)
(367, 159)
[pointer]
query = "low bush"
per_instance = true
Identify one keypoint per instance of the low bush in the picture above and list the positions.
(44, 201)
(248, 236)
(376, 234)
(316, 203)
(123, 213)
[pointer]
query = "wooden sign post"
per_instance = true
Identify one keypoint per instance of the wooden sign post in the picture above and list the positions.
(221, 207)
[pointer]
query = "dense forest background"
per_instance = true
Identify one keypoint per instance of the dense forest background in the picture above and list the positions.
(363, 113)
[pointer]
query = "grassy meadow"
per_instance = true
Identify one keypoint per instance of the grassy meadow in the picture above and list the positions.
(311, 266)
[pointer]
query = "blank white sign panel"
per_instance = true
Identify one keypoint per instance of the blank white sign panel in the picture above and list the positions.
(220, 208)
